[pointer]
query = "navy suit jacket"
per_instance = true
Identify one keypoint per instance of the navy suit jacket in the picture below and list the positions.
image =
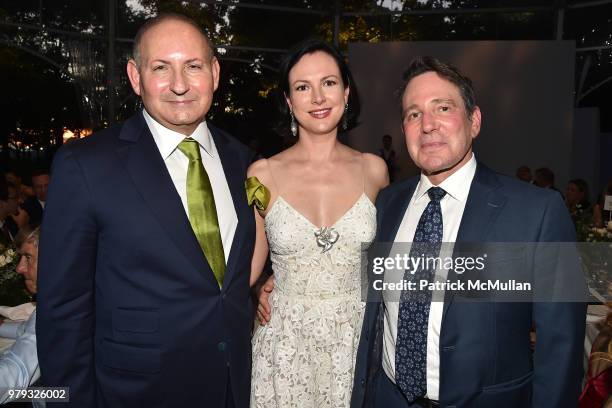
(34, 209)
(129, 311)
(485, 356)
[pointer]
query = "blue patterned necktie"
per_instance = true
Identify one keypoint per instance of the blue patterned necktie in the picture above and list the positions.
(411, 345)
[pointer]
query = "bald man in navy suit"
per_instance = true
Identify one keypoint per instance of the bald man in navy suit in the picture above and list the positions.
(131, 312)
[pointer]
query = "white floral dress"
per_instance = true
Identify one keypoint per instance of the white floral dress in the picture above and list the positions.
(305, 356)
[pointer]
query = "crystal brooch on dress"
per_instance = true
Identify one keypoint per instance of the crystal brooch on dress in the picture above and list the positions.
(326, 238)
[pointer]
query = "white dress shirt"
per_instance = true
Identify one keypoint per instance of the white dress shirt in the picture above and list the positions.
(10, 235)
(457, 188)
(167, 142)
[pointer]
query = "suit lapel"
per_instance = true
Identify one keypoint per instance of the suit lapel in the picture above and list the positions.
(395, 210)
(482, 208)
(150, 176)
(391, 213)
(235, 176)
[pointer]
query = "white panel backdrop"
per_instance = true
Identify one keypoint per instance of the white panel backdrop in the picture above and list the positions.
(524, 89)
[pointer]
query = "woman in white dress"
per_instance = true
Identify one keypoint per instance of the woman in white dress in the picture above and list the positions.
(314, 209)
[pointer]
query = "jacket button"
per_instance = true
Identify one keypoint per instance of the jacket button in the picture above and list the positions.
(362, 383)
(221, 346)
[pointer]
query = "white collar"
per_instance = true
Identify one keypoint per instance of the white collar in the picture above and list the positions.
(168, 140)
(457, 185)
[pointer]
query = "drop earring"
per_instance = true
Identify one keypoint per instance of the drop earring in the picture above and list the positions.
(345, 118)
(294, 127)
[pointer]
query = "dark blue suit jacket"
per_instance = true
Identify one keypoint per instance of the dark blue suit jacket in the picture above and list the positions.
(129, 311)
(34, 209)
(485, 356)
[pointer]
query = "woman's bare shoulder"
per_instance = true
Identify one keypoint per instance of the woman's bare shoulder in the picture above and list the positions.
(261, 170)
(376, 171)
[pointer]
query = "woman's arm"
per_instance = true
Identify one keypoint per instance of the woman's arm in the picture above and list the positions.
(261, 203)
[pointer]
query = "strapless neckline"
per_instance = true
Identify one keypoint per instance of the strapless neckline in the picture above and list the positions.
(313, 225)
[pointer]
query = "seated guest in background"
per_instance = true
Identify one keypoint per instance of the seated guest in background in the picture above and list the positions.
(11, 176)
(35, 205)
(601, 217)
(9, 205)
(19, 364)
(577, 199)
(21, 217)
(524, 173)
(545, 178)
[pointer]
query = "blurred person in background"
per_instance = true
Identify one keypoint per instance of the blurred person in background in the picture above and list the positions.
(601, 216)
(14, 178)
(545, 178)
(19, 364)
(524, 173)
(577, 199)
(387, 153)
(35, 204)
(9, 206)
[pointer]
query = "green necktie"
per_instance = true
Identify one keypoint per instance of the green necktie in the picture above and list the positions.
(202, 210)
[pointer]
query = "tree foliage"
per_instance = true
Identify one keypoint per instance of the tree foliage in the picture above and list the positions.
(245, 100)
